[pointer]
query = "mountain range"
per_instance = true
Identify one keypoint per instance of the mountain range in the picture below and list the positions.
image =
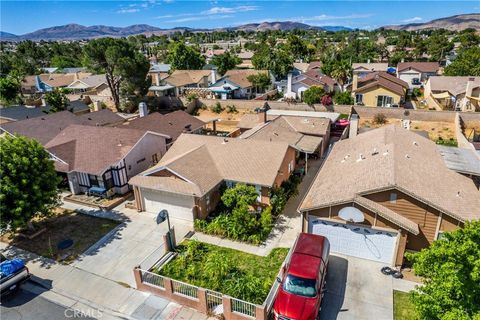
(77, 32)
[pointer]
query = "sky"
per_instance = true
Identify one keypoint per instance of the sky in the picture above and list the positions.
(20, 17)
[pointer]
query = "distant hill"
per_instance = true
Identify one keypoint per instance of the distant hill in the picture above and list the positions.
(277, 25)
(453, 23)
(336, 28)
(7, 36)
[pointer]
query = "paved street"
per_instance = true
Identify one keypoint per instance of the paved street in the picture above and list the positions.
(27, 305)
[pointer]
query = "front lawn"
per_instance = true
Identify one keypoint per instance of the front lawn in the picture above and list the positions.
(83, 230)
(403, 308)
(238, 274)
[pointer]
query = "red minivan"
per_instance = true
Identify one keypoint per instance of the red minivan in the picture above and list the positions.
(301, 289)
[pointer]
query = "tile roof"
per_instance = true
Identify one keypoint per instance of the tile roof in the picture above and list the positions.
(181, 78)
(430, 67)
(94, 81)
(240, 76)
(171, 124)
(392, 158)
(370, 66)
(92, 149)
(382, 79)
(205, 161)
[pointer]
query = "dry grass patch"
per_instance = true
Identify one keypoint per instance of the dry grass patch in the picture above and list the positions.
(228, 121)
(83, 229)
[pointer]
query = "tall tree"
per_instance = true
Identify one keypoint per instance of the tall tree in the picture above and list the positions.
(466, 64)
(183, 57)
(28, 181)
(56, 100)
(225, 62)
(341, 72)
(451, 269)
(313, 95)
(120, 62)
(261, 80)
(9, 89)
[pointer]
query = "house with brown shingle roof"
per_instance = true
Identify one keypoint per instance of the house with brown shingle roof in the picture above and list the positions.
(104, 158)
(378, 89)
(235, 84)
(414, 73)
(457, 93)
(363, 69)
(386, 191)
(188, 178)
(49, 81)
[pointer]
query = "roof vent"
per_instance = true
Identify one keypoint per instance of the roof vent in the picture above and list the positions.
(170, 123)
(375, 152)
(415, 143)
(407, 156)
(305, 120)
(360, 157)
(89, 118)
(385, 153)
(458, 193)
(345, 158)
(225, 140)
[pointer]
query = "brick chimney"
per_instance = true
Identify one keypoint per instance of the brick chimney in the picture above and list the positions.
(355, 82)
(289, 83)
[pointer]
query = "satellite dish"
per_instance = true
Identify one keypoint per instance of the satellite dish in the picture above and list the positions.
(351, 214)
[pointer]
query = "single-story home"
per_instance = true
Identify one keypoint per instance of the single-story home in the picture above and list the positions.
(453, 93)
(235, 84)
(181, 80)
(49, 81)
(158, 72)
(104, 158)
(297, 85)
(416, 73)
(91, 85)
(308, 135)
(187, 180)
(379, 89)
(384, 192)
(363, 69)
(172, 124)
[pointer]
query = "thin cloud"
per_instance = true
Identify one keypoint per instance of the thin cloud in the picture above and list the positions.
(414, 19)
(324, 17)
(128, 10)
(223, 10)
(197, 18)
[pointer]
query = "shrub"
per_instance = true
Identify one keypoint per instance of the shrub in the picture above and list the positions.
(343, 98)
(313, 95)
(232, 109)
(327, 100)
(192, 96)
(379, 118)
(216, 108)
(278, 200)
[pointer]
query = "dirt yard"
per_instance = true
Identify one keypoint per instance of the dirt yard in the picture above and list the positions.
(436, 130)
(228, 121)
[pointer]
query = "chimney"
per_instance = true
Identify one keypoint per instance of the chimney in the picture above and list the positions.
(368, 60)
(289, 83)
(142, 109)
(403, 60)
(44, 102)
(157, 79)
(214, 75)
(97, 105)
(75, 76)
(355, 82)
(469, 89)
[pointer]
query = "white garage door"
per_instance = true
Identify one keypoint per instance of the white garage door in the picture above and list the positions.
(178, 206)
(356, 241)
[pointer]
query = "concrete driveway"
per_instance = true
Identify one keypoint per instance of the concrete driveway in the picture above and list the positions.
(356, 289)
(137, 238)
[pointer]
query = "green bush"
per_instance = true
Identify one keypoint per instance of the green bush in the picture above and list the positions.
(379, 118)
(216, 108)
(232, 109)
(343, 98)
(192, 96)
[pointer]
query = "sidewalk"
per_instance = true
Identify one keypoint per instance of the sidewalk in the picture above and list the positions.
(287, 226)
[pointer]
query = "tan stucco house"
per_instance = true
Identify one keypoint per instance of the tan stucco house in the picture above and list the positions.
(379, 89)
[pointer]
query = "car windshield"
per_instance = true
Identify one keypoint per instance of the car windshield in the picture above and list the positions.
(300, 286)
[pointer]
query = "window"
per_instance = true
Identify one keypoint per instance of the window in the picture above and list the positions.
(384, 101)
(230, 184)
(207, 200)
(140, 160)
(393, 197)
(290, 166)
(440, 235)
(259, 192)
(93, 180)
(300, 286)
(359, 98)
(154, 158)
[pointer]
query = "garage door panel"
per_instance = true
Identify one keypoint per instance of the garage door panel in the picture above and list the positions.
(178, 206)
(356, 241)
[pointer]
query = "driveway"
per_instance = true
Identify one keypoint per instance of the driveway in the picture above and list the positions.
(137, 238)
(356, 289)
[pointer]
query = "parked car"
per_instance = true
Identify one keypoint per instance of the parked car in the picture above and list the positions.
(302, 284)
(12, 274)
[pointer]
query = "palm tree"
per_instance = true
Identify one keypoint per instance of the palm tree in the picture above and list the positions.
(341, 72)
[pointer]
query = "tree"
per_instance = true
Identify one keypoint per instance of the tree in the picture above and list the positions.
(466, 64)
(297, 47)
(120, 62)
(279, 61)
(56, 100)
(343, 98)
(451, 269)
(313, 95)
(9, 89)
(28, 185)
(260, 80)
(183, 57)
(225, 62)
(241, 194)
(341, 72)
(438, 46)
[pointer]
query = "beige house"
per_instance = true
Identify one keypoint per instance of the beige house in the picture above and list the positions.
(453, 93)
(180, 81)
(363, 69)
(187, 180)
(379, 89)
(384, 192)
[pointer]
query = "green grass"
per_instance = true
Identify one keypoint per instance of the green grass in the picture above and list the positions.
(448, 143)
(403, 308)
(238, 274)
